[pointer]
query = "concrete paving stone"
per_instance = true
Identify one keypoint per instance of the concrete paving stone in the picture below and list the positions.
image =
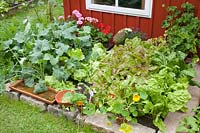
(58, 111)
(54, 109)
(12, 94)
(34, 102)
(100, 122)
(70, 115)
(80, 119)
(7, 87)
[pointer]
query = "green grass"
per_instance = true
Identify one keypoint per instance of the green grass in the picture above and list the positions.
(19, 117)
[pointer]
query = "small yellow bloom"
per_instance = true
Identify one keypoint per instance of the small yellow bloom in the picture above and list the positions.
(125, 128)
(136, 97)
(108, 123)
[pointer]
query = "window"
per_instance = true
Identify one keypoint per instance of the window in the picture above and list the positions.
(142, 8)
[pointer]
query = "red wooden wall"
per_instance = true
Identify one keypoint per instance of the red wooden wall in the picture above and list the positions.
(150, 26)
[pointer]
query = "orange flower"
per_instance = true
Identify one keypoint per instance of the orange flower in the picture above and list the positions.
(136, 97)
(80, 103)
(112, 95)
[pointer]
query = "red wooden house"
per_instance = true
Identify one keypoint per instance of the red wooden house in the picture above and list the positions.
(145, 14)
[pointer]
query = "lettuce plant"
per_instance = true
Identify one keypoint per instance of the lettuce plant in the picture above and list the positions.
(142, 78)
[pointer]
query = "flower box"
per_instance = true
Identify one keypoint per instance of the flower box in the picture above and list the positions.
(47, 96)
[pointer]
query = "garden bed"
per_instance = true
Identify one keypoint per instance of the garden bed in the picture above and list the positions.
(100, 122)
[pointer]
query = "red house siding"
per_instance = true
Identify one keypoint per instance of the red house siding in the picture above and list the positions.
(150, 26)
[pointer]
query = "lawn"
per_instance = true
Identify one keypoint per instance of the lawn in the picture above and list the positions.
(16, 116)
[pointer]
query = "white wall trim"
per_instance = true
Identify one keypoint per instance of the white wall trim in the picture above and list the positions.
(147, 12)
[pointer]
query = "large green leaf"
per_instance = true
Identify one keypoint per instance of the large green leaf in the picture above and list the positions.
(19, 37)
(87, 29)
(178, 99)
(7, 44)
(42, 45)
(40, 87)
(79, 74)
(61, 48)
(60, 74)
(89, 109)
(160, 124)
(35, 57)
(76, 54)
(29, 82)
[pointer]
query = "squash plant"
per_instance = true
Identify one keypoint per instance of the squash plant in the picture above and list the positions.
(62, 50)
(142, 78)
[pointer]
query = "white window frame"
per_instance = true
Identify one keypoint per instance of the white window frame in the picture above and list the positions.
(146, 12)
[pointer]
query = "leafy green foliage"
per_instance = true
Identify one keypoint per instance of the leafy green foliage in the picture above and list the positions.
(74, 97)
(67, 97)
(57, 85)
(182, 28)
(40, 87)
(178, 99)
(76, 54)
(62, 50)
(190, 124)
(10, 67)
(89, 109)
(3, 7)
(150, 69)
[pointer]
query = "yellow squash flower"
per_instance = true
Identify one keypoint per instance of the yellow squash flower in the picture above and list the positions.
(136, 97)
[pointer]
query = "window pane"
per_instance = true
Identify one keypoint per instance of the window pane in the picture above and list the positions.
(136, 4)
(104, 2)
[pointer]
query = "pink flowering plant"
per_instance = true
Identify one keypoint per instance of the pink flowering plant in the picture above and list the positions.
(99, 32)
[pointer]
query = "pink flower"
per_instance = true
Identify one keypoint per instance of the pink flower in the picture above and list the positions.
(78, 15)
(61, 17)
(79, 22)
(75, 12)
(89, 19)
(81, 18)
(95, 20)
